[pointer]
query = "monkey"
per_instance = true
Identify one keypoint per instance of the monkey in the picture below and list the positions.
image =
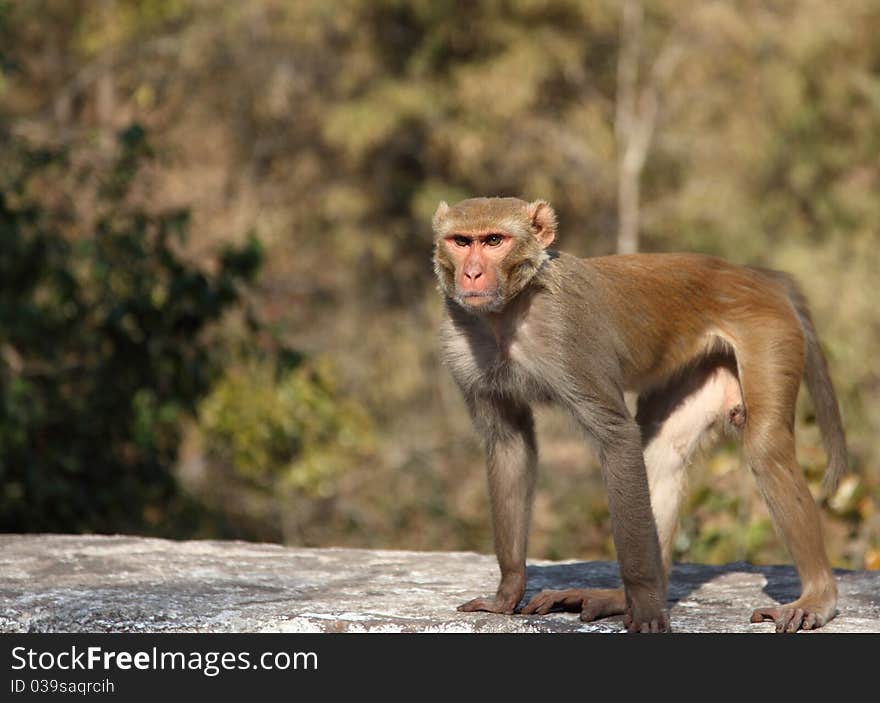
(706, 344)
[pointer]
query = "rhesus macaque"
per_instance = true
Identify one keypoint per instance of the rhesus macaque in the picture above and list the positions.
(704, 343)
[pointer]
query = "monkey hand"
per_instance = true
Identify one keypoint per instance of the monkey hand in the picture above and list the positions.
(592, 604)
(498, 604)
(510, 590)
(646, 621)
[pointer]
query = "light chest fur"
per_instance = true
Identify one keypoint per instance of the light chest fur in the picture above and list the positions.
(503, 354)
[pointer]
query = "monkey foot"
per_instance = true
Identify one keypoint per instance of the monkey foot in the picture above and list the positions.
(489, 605)
(791, 617)
(592, 604)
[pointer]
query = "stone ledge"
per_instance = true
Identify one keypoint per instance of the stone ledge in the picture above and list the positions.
(75, 583)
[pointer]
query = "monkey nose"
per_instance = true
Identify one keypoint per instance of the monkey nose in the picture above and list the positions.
(473, 280)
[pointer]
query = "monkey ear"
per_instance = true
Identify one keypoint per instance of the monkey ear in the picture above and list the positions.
(442, 210)
(543, 221)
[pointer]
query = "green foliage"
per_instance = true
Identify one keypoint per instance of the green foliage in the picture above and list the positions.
(284, 429)
(102, 350)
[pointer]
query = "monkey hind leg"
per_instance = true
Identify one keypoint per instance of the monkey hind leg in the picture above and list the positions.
(771, 458)
(769, 447)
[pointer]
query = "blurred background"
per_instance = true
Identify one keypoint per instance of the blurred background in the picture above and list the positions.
(218, 316)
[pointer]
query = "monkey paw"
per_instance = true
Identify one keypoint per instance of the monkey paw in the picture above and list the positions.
(660, 623)
(489, 605)
(592, 604)
(791, 617)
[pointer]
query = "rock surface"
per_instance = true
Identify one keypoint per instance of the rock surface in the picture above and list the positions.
(60, 583)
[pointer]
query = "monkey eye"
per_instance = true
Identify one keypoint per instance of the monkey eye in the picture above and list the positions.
(493, 240)
(461, 241)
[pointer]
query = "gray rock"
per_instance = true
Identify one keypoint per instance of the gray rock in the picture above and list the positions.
(61, 583)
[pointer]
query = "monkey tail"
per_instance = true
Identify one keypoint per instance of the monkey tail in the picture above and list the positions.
(821, 390)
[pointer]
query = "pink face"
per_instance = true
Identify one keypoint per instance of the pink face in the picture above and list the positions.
(477, 257)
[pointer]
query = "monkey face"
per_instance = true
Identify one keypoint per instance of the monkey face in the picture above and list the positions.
(487, 249)
(477, 260)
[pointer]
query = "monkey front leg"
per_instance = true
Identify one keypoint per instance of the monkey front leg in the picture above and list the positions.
(511, 459)
(634, 529)
(635, 536)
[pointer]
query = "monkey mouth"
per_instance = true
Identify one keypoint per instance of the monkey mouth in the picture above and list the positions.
(476, 297)
(482, 301)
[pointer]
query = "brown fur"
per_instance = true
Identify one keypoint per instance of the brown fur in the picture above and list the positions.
(705, 343)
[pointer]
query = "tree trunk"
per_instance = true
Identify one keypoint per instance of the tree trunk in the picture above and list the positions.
(636, 112)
